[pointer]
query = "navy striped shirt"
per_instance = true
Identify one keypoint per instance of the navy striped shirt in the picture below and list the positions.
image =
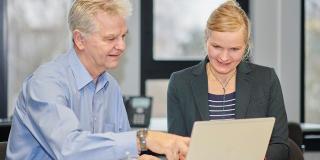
(222, 106)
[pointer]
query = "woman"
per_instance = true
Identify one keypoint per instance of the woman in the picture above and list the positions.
(224, 85)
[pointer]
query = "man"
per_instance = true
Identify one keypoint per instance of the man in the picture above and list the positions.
(71, 108)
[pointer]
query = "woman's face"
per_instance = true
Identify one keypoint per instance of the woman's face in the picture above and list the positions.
(225, 50)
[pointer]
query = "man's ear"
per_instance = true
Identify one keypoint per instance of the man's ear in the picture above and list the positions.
(78, 39)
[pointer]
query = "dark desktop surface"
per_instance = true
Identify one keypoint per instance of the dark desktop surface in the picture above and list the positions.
(5, 127)
(311, 136)
(161, 156)
(312, 142)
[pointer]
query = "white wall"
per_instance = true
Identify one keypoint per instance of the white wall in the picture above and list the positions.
(276, 34)
(128, 72)
(276, 41)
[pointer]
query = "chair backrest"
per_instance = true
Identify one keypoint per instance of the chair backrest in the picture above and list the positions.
(296, 134)
(3, 149)
(295, 152)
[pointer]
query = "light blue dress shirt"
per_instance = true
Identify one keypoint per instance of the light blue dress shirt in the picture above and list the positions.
(61, 113)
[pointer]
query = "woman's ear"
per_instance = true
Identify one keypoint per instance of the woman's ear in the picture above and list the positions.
(78, 39)
(246, 54)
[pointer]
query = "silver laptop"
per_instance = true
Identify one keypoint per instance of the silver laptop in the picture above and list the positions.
(244, 139)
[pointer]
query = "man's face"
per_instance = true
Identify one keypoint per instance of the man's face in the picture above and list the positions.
(103, 48)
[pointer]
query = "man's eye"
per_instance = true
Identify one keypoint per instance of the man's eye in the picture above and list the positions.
(109, 38)
(124, 36)
(234, 49)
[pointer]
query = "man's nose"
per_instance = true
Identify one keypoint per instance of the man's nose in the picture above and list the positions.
(121, 44)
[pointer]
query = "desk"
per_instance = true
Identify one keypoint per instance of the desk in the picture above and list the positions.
(311, 136)
(5, 127)
(159, 124)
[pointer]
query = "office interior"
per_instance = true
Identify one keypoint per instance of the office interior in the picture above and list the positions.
(32, 28)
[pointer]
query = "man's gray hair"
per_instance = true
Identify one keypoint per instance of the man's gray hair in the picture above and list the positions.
(82, 12)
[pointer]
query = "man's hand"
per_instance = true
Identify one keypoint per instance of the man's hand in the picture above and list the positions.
(173, 146)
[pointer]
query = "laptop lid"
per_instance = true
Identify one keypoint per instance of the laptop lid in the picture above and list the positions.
(244, 139)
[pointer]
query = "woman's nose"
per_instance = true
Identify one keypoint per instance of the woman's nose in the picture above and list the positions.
(224, 55)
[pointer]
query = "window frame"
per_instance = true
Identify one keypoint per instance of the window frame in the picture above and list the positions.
(3, 63)
(302, 63)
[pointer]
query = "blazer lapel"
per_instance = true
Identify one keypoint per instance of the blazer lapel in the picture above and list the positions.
(243, 87)
(199, 85)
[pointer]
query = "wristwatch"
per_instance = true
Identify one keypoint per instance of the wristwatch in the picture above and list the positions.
(142, 135)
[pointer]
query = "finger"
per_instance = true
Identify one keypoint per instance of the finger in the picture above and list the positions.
(186, 140)
(182, 157)
(173, 153)
(183, 148)
(147, 157)
(176, 151)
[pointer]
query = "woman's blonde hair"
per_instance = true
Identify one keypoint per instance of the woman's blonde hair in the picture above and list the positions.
(82, 11)
(230, 17)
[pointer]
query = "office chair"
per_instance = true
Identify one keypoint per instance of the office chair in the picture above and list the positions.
(295, 152)
(3, 148)
(296, 134)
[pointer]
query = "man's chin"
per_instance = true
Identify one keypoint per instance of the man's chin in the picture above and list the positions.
(112, 66)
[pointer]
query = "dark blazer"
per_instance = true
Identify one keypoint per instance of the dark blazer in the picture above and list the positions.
(258, 94)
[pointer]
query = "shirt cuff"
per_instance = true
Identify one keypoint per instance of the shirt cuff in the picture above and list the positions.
(127, 142)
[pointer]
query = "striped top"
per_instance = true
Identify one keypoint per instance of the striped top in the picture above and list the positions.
(222, 106)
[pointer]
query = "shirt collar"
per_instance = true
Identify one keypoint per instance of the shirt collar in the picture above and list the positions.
(102, 81)
(81, 74)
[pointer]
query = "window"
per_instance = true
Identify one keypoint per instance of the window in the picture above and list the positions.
(178, 28)
(36, 31)
(310, 61)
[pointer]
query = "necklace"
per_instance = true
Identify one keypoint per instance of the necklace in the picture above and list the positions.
(223, 85)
